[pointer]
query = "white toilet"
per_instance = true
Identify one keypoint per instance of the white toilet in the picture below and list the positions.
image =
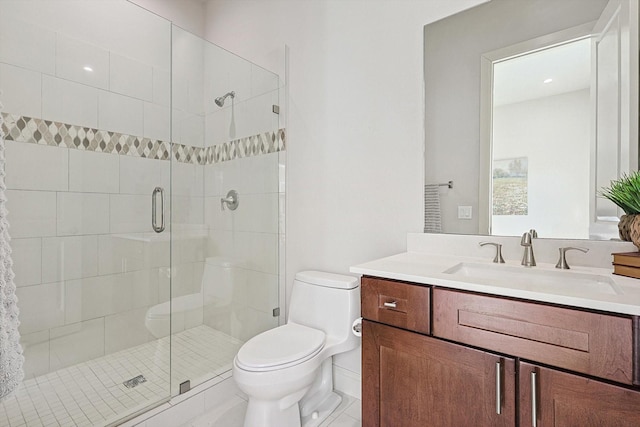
(216, 289)
(287, 371)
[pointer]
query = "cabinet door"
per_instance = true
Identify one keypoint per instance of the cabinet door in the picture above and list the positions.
(411, 380)
(568, 400)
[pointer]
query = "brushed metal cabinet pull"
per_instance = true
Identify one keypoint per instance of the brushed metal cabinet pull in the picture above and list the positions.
(392, 304)
(534, 401)
(154, 197)
(499, 387)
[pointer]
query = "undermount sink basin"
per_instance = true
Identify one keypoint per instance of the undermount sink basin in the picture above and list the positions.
(535, 279)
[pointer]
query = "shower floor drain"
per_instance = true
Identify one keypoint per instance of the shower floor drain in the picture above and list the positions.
(135, 381)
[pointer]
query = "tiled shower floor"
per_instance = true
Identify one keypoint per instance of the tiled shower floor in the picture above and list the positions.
(92, 394)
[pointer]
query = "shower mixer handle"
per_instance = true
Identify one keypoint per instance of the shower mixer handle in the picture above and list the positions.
(231, 201)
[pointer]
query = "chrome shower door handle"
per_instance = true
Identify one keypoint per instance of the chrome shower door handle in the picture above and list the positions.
(154, 197)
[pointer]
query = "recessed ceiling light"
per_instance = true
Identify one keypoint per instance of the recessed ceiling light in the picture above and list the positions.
(87, 68)
(547, 81)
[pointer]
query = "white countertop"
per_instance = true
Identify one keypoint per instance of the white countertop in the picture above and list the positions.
(605, 291)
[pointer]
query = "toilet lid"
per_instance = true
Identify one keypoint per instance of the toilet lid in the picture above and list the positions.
(280, 347)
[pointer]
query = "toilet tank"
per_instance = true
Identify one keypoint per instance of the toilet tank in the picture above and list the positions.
(326, 301)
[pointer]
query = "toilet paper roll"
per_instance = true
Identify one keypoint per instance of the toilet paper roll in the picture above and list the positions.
(356, 327)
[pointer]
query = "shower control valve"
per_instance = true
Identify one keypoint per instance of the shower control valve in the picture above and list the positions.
(231, 201)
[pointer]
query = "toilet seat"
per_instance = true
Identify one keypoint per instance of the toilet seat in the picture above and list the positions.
(279, 348)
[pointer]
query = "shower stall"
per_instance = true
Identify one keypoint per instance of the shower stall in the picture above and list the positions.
(145, 197)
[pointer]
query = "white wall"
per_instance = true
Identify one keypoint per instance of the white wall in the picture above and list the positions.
(187, 14)
(354, 124)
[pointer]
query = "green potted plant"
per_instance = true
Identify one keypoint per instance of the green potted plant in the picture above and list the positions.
(625, 193)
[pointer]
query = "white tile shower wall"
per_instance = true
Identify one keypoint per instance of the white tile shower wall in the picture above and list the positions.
(83, 289)
(188, 98)
(27, 261)
(124, 330)
(83, 264)
(73, 55)
(130, 213)
(47, 63)
(120, 113)
(31, 167)
(65, 258)
(26, 45)
(69, 102)
(249, 236)
(86, 259)
(21, 90)
(41, 307)
(242, 118)
(91, 172)
(130, 77)
(75, 343)
(157, 121)
(226, 72)
(31, 213)
(35, 348)
(82, 213)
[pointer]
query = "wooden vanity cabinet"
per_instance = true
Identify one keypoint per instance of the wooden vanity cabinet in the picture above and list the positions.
(446, 361)
(412, 380)
(592, 343)
(397, 303)
(563, 399)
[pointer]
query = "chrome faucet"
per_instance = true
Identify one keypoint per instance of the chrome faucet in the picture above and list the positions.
(498, 258)
(528, 260)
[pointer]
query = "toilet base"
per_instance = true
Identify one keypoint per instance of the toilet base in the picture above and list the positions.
(309, 406)
(265, 414)
(323, 411)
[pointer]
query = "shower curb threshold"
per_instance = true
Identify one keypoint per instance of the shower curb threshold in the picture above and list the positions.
(154, 414)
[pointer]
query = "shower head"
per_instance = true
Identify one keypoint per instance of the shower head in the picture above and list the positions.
(220, 101)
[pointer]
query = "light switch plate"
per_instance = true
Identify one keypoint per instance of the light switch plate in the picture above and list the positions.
(465, 212)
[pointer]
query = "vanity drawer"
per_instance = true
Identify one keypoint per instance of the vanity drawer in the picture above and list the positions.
(395, 303)
(591, 343)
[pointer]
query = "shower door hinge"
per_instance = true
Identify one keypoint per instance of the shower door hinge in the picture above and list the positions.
(185, 386)
(275, 109)
(276, 312)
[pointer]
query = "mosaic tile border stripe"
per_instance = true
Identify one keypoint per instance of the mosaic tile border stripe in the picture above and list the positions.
(263, 143)
(46, 132)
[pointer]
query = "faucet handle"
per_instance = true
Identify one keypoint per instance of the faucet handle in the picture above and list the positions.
(498, 258)
(534, 233)
(562, 260)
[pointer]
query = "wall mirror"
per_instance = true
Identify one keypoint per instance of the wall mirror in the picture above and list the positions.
(531, 108)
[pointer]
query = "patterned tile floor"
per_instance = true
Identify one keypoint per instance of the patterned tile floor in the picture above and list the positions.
(92, 394)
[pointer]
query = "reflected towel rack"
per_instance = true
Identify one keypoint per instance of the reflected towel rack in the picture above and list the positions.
(446, 184)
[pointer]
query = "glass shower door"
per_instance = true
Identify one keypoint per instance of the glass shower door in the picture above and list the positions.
(225, 221)
(87, 129)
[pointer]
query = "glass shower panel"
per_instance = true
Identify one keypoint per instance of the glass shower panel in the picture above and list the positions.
(86, 94)
(224, 259)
